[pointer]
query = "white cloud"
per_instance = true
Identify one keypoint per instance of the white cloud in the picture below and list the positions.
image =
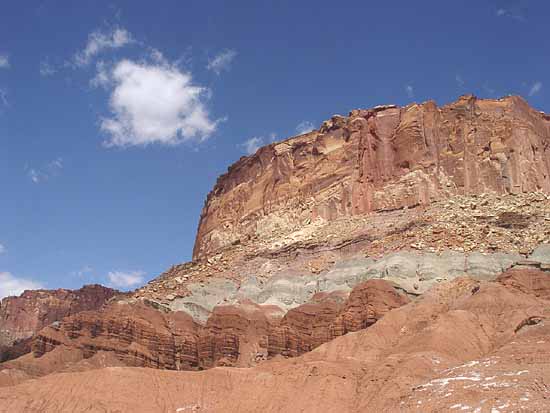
(154, 103)
(4, 61)
(304, 127)
(537, 86)
(221, 61)
(46, 69)
(459, 80)
(125, 279)
(10, 285)
(410, 91)
(99, 41)
(253, 144)
(501, 12)
(2, 249)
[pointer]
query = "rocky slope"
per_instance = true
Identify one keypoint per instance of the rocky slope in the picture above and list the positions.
(21, 317)
(472, 346)
(480, 237)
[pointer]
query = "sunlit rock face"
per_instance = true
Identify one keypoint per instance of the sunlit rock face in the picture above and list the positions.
(377, 159)
(23, 316)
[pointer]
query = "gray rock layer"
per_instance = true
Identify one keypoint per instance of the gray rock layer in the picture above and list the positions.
(414, 272)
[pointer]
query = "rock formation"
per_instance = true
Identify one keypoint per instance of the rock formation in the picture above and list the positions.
(379, 159)
(395, 259)
(234, 335)
(477, 346)
(21, 317)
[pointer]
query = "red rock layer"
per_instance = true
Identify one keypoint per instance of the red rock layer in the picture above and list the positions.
(378, 159)
(239, 335)
(464, 346)
(23, 316)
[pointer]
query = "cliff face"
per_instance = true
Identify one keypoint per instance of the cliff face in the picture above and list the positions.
(23, 316)
(379, 159)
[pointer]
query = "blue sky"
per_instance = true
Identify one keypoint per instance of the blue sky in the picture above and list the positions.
(117, 117)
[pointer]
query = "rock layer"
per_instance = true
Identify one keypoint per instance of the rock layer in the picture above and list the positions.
(234, 335)
(412, 271)
(466, 345)
(21, 317)
(379, 159)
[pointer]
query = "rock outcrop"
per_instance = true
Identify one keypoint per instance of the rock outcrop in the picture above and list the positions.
(234, 335)
(395, 259)
(412, 271)
(21, 317)
(379, 159)
(467, 345)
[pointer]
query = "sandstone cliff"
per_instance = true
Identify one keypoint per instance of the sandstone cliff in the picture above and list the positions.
(379, 159)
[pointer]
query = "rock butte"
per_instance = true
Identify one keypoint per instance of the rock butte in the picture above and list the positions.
(396, 259)
(379, 159)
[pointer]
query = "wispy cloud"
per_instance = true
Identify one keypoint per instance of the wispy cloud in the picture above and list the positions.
(102, 76)
(50, 170)
(535, 88)
(99, 41)
(459, 81)
(34, 175)
(221, 61)
(83, 272)
(125, 279)
(2, 249)
(13, 286)
(515, 13)
(304, 127)
(253, 144)
(4, 61)
(47, 69)
(410, 91)
(3, 98)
